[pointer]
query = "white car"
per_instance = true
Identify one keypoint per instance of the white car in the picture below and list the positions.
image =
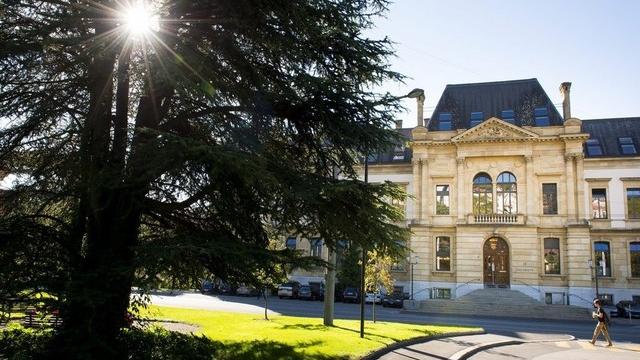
(370, 296)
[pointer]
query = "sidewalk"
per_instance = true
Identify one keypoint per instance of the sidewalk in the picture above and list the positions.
(528, 346)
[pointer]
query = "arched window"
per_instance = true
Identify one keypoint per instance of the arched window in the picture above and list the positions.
(482, 194)
(506, 194)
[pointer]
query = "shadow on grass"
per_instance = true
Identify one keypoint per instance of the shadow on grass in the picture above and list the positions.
(162, 345)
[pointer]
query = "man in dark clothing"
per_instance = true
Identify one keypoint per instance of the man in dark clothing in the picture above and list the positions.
(602, 325)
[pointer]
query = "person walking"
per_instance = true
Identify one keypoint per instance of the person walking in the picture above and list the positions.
(603, 322)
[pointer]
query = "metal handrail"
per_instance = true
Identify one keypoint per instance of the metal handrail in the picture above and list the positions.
(465, 284)
(531, 286)
(579, 297)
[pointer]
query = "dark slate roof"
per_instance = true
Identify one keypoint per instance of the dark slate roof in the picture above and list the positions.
(491, 98)
(607, 131)
(401, 153)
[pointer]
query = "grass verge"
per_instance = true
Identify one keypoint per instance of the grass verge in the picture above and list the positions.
(308, 337)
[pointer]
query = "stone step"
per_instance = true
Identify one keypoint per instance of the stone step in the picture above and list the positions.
(503, 302)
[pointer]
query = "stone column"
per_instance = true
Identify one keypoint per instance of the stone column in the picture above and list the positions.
(579, 189)
(570, 188)
(417, 189)
(529, 207)
(426, 198)
(460, 205)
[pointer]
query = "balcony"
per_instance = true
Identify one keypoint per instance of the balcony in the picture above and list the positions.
(495, 219)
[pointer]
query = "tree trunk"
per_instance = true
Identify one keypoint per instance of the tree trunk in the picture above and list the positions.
(266, 305)
(99, 292)
(330, 289)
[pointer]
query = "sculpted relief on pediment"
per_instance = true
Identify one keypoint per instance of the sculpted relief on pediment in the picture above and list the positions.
(494, 130)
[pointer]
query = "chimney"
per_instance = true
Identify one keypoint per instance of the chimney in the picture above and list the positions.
(398, 124)
(420, 101)
(565, 90)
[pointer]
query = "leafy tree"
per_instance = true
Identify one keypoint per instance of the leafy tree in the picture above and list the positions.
(182, 148)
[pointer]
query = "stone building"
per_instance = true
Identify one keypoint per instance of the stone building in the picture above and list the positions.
(507, 192)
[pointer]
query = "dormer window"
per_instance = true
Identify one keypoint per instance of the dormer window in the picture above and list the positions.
(542, 116)
(398, 152)
(509, 116)
(594, 148)
(627, 147)
(445, 121)
(476, 118)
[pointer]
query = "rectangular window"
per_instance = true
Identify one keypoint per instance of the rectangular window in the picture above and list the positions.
(633, 203)
(594, 148)
(552, 256)
(606, 299)
(602, 256)
(634, 255)
(509, 116)
(627, 147)
(550, 199)
(397, 266)
(476, 118)
(291, 243)
(542, 116)
(445, 121)
(316, 247)
(443, 253)
(599, 203)
(441, 293)
(442, 199)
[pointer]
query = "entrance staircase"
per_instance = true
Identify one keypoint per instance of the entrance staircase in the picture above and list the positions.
(503, 303)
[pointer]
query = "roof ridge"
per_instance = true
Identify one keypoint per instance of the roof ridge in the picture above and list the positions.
(615, 118)
(502, 82)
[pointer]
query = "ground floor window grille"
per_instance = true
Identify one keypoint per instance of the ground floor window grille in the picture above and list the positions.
(441, 293)
(606, 299)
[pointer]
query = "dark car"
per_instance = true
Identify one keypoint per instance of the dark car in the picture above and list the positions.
(351, 294)
(304, 293)
(625, 308)
(207, 287)
(317, 290)
(394, 299)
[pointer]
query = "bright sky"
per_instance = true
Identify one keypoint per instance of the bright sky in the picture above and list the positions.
(595, 44)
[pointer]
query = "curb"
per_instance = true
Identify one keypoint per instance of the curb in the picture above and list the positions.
(470, 351)
(417, 340)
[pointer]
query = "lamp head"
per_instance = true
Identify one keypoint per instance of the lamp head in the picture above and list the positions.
(415, 93)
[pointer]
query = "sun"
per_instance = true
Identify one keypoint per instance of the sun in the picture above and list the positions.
(140, 20)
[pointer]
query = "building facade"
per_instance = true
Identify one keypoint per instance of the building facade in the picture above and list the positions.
(507, 192)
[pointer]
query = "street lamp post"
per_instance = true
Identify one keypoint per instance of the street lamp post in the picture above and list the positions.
(412, 261)
(417, 94)
(590, 262)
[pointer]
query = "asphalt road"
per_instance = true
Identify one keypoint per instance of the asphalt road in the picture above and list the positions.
(621, 331)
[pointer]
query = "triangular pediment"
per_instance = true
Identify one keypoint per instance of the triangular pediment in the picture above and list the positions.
(494, 129)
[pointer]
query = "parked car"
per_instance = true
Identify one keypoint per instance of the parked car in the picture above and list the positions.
(207, 287)
(317, 290)
(304, 293)
(244, 290)
(290, 290)
(626, 307)
(395, 299)
(350, 294)
(369, 298)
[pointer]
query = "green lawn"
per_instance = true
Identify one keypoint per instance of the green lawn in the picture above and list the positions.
(308, 337)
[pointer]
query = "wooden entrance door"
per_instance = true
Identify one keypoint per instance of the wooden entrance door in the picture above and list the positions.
(496, 263)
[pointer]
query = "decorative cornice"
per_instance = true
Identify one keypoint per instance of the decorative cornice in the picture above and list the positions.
(597, 179)
(630, 179)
